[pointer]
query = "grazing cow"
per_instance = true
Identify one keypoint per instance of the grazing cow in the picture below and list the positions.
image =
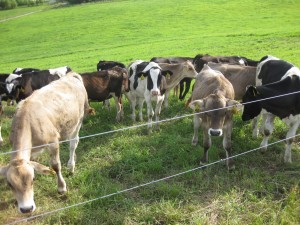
(147, 83)
(174, 74)
(185, 83)
(21, 86)
(102, 84)
(105, 65)
(201, 60)
(239, 76)
(42, 121)
(286, 108)
(213, 97)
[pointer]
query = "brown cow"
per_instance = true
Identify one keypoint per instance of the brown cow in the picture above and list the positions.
(201, 60)
(214, 95)
(51, 114)
(239, 76)
(176, 73)
(101, 85)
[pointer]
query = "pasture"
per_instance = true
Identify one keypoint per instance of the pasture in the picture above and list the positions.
(261, 190)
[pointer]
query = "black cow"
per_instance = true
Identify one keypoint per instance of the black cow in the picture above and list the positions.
(285, 107)
(105, 65)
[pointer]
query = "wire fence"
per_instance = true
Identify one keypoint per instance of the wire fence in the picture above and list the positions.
(28, 219)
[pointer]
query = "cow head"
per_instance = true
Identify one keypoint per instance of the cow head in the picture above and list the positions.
(216, 108)
(189, 70)
(20, 175)
(252, 109)
(154, 80)
(167, 74)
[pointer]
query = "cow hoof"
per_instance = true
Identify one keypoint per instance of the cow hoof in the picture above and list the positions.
(194, 143)
(62, 191)
(202, 163)
(231, 168)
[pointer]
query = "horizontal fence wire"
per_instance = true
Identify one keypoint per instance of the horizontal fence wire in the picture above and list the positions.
(146, 124)
(155, 181)
(29, 219)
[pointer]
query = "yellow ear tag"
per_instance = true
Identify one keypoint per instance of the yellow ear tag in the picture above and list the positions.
(197, 108)
(168, 76)
(234, 110)
(142, 77)
(22, 89)
(52, 172)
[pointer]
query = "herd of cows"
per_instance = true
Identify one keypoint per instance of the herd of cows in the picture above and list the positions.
(60, 99)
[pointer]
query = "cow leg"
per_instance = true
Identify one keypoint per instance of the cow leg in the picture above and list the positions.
(268, 129)
(157, 112)
(265, 116)
(73, 145)
(196, 129)
(293, 122)
(150, 114)
(1, 139)
(56, 166)
(166, 103)
(187, 88)
(141, 104)
(118, 103)
(133, 104)
(175, 92)
(106, 104)
(227, 145)
(206, 146)
(181, 89)
(255, 123)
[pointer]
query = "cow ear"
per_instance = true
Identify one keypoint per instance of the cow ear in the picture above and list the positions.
(252, 90)
(234, 106)
(41, 169)
(3, 170)
(167, 73)
(197, 105)
(141, 75)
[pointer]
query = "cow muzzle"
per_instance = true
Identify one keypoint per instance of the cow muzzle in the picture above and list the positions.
(155, 93)
(27, 209)
(215, 132)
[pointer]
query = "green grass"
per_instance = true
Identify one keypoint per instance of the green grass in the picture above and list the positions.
(262, 189)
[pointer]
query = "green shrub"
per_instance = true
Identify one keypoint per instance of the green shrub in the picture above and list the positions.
(8, 4)
(22, 2)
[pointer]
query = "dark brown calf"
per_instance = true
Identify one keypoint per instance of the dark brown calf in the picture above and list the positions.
(101, 85)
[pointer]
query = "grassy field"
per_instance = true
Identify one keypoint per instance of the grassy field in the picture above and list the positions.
(262, 189)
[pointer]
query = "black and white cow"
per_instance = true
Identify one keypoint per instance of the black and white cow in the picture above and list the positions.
(269, 69)
(147, 83)
(284, 79)
(21, 86)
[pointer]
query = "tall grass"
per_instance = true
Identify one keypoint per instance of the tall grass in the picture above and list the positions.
(262, 189)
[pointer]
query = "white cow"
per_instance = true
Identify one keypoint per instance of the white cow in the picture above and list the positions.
(146, 84)
(51, 114)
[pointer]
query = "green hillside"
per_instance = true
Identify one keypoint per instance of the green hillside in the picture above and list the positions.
(262, 189)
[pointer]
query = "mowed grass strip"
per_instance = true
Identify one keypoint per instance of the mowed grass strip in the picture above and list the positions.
(262, 189)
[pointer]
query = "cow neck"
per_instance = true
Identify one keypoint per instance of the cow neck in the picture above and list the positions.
(175, 78)
(21, 138)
